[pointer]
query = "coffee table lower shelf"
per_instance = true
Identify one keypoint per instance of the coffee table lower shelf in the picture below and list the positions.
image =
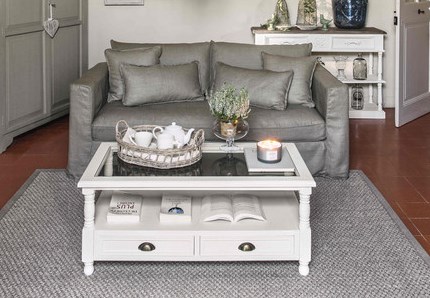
(277, 238)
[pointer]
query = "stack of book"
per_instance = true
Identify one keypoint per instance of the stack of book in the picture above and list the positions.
(124, 208)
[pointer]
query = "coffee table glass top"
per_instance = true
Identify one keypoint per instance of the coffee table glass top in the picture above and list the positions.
(215, 171)
(211, 164)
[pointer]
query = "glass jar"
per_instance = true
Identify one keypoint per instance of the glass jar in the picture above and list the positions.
(359, 68)
(349, 14)
(357, 100)
(340, 65)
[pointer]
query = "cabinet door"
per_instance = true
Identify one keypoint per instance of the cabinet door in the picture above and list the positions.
(25, 68)
(64, 52)
(25, 73)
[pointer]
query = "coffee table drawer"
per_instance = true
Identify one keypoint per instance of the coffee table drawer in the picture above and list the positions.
(283, 245)
(151, 246)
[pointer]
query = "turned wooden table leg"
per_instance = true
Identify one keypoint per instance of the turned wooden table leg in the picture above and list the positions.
(88, 231)
(305, 231)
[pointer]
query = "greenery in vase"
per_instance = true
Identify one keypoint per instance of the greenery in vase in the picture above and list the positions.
(228, 104)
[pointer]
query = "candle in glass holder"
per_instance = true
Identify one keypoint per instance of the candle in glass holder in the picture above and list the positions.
(269, 151)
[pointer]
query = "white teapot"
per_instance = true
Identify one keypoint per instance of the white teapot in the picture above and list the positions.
(177, 132)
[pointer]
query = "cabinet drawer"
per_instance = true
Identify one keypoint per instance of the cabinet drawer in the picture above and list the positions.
(144, 246)
(285, 245)
(356, 43)
(288, 40)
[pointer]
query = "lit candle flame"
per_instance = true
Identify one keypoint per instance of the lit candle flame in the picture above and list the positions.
(269, 144)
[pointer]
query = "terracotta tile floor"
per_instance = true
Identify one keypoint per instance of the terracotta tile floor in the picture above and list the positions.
(396, 160)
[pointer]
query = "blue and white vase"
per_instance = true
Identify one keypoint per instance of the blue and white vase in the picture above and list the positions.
(349, 14)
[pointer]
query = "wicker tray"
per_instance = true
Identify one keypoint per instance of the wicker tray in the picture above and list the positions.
(157, 158)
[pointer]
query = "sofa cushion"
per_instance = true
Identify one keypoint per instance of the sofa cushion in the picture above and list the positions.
(266, 89)
(178, 53)
(160, 83)
(114, 59)
(296, 123)
(249, 55)
(303, 68)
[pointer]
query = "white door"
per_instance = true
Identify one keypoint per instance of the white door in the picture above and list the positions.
(412, 60)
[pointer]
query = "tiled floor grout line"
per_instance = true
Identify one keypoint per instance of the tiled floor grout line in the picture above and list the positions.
(416, 189)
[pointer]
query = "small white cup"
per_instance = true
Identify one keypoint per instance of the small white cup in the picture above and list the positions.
(128, 134)
(154, 131)
(165, 141)
(142, 138)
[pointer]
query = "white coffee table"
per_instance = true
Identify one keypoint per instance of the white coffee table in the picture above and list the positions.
(285, 199)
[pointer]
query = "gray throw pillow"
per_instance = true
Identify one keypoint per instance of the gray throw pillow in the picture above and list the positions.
(177, 53)
(249, 55)
(303, 68)
(160, 83)
(266, 89)
(114, 58)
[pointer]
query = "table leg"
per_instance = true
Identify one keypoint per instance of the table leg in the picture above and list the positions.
(379, 97)
(305, 231)
(88, 231)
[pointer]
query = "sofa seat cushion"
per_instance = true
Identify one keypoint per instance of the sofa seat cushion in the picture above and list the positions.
(187, 114)
(296, 123)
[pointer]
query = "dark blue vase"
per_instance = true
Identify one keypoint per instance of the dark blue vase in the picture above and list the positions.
(349, 14)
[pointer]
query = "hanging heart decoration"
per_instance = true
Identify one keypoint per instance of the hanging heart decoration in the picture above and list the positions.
(51, 27)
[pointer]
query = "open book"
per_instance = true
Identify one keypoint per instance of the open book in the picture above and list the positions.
(231, 208)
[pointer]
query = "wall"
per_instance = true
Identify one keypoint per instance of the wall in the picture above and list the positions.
(204, 20)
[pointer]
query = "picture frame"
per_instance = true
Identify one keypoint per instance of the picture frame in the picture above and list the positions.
(123, 2)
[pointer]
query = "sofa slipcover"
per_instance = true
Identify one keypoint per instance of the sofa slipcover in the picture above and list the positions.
(320, 133)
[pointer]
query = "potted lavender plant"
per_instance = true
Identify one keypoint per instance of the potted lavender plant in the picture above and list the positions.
(229, 106)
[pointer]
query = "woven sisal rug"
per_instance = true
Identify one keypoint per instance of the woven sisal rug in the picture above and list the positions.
(360, 249)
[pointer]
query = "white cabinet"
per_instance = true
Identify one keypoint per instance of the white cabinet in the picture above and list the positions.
(369, 41)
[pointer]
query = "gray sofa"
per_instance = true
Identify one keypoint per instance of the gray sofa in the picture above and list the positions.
(320, 133)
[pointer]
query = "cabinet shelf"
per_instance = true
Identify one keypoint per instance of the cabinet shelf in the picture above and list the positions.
(371, 79)
(369, 111)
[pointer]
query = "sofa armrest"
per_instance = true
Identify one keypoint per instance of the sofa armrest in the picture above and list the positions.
(331, 100)
(87, 96)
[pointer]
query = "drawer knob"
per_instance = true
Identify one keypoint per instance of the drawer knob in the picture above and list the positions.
(246, 246)
(353, 43)
(146, 246)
